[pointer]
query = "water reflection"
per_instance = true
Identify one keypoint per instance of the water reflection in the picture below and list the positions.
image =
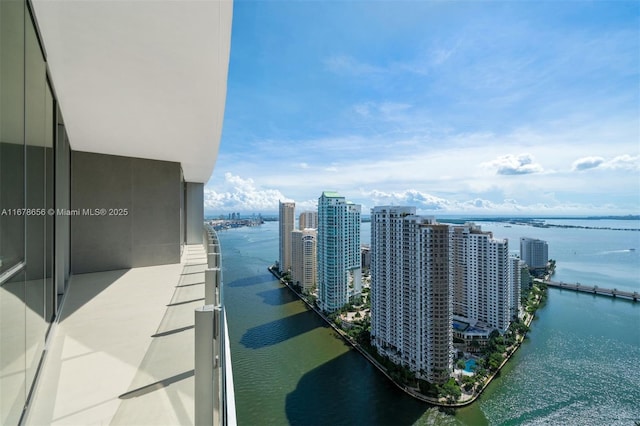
(278, 296)
(278, 331)
(345, 391)
(249, 281)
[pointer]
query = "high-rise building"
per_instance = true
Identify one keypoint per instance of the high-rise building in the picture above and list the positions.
(481, 278)
(308, 220)
(411, 309)
(515, 278)
(286, 225)
(534, 252)
(339, 275)
(365, 256)
(304, 258)
(110, 122)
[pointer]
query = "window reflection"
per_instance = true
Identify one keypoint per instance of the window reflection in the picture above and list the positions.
(11, 133)
(27, 298)
(35, 135)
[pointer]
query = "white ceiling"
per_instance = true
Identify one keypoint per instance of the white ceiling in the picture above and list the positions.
(141, 78)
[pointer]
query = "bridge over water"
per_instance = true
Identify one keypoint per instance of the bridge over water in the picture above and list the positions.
(594, 289)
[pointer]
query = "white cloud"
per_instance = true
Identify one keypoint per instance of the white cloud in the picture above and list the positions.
(514, 165)
(350, 65)
(243, 195)
(363, 109)
(410, 197)
(440, 55)
(238, 194)
(386, 111)
(308, 205)
(430, 204)
(478, 203)
(621, 162)
(625, 162)
(454, 167)
(586, 163)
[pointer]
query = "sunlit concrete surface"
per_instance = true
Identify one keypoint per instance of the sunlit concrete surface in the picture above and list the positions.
(122, 350)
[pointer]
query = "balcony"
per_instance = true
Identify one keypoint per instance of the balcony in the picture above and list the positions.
(122, 350)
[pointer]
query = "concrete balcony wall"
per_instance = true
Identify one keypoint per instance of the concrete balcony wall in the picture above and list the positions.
(147, 233)
(194, 211)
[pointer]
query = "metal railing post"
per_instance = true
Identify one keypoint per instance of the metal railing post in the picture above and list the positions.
(204, 366)
(212, 286)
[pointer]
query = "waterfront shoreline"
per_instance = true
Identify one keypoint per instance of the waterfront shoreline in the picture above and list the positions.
(420, 397)
(557, 376)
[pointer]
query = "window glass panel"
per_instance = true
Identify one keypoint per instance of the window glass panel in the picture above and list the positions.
(11, 133)
(35, 131)
(12, 295)
(49, 129)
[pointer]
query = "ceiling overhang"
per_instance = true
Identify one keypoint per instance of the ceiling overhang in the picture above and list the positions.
(140, 78)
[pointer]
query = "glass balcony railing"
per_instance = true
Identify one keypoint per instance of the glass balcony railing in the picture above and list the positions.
(214, 392)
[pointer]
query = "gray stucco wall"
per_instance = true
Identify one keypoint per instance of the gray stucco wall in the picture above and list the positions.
(148, 234)
(194, 211)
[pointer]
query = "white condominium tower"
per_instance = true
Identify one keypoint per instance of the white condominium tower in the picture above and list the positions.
(481, 277)
(303, 258)
(411, 291)
(534, 252)
(338, 251)
(286, 224)
(308, 220)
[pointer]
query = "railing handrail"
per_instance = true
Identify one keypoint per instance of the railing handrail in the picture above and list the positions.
(220, 353)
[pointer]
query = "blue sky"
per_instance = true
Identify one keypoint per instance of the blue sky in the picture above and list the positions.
(455, 107)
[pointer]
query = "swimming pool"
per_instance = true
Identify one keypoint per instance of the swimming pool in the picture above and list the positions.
(470, 365)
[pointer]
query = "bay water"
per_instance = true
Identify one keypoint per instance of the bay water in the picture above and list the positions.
(580, 364)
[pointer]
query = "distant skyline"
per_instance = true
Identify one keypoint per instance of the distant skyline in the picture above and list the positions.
(527, 108)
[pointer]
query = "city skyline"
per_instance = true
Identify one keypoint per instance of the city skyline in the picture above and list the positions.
(500, 107)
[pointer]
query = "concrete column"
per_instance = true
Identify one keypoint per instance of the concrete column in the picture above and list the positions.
(194, 211)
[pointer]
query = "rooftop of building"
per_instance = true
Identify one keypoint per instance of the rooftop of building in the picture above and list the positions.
(331, 194)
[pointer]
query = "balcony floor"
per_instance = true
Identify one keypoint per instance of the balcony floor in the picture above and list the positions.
(122, 351)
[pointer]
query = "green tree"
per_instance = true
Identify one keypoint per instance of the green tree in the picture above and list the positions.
(480, 372)
(495, 359)
(450, 390)
(474, 344)
(468, 382)
(427, 388)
